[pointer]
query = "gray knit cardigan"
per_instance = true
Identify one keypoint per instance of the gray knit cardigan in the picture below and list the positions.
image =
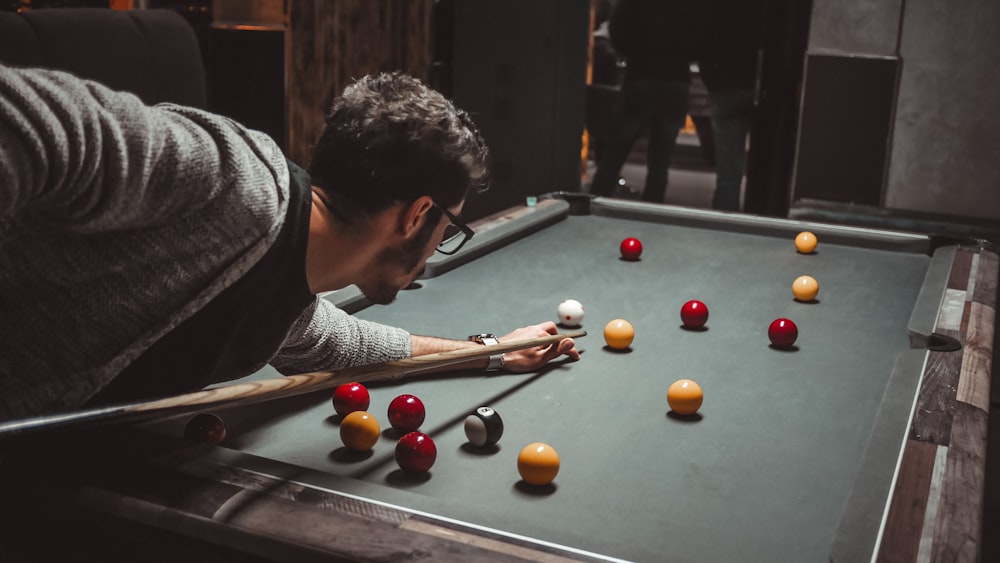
(119, 221)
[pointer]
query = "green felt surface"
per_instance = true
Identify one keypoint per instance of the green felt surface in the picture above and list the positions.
(763, 474)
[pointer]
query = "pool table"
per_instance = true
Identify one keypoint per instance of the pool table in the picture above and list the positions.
(864, 441)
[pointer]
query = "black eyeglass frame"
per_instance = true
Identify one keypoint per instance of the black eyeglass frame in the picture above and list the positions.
(464, 230)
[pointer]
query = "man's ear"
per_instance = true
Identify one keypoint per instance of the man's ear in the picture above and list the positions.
(414, 215)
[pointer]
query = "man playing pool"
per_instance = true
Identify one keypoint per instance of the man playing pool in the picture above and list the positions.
(147, 251)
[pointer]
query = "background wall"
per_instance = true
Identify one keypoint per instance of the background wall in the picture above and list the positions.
(331, 42)
(323, 45)
(943, 117)
(855, 26)
(946, 137)
(519, 68)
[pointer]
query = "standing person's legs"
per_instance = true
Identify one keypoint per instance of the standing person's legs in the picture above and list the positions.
(673, 106)
(731, 115)
(636, 106)
(706, 142)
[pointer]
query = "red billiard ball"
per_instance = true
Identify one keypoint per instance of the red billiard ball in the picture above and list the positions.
(207, 428)
(631, 248)
(350, 397)
(415, 452)
(406, 413)
(694, 314)
(782, 333)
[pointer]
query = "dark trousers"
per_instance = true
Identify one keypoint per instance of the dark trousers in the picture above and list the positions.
(659, 106)
(732, 112)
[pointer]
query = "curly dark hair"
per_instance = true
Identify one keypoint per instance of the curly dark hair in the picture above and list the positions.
(388, 139)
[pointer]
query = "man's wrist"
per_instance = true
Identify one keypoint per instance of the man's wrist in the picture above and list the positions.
(496, 361)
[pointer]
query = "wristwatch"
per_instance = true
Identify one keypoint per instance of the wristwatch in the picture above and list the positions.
(487, 339)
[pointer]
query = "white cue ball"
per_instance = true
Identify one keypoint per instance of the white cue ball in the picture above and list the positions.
(570, 312)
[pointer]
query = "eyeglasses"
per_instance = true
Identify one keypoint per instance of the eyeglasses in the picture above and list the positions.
(455, 235)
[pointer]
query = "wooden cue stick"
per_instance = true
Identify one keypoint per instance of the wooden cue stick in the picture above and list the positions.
(263, 390)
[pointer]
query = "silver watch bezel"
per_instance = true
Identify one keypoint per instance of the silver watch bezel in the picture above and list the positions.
(486, 339)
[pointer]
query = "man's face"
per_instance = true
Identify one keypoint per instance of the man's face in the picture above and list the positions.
(401, 265)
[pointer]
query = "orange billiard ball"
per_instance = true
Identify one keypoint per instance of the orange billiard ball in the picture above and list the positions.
(684, 397)
(805, 288)
(619, 334)
(359, 431)
(805, 242)
(538, 463)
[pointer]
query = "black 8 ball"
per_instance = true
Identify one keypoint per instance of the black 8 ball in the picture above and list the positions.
(484, 427)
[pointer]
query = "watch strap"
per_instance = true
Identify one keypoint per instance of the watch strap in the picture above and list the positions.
(496, 361)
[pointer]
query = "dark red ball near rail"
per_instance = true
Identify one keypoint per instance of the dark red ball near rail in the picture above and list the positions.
(406, 413)
(782, 333)
(631, 248)
(694, 314)
(415, 452)
(207, 428)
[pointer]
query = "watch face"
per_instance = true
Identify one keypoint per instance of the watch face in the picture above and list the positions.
(487, 339)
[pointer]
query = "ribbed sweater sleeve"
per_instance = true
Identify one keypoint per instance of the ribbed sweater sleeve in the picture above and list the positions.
(118, 221)
(325, 337)
(92, 159)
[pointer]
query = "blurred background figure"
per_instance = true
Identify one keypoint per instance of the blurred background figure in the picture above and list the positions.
(606, 67)
(728, 67)
(658, 39)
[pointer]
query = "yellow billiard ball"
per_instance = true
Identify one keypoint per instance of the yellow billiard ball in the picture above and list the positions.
(538, 463)
(684, 397)
(805, 288)
(619, 334)
(805, 242)
(359, 431)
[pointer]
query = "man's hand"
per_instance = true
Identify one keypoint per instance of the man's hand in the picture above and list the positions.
(531, 359)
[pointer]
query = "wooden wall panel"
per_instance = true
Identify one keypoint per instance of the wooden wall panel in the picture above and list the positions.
(944, 133)
(331, 42)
